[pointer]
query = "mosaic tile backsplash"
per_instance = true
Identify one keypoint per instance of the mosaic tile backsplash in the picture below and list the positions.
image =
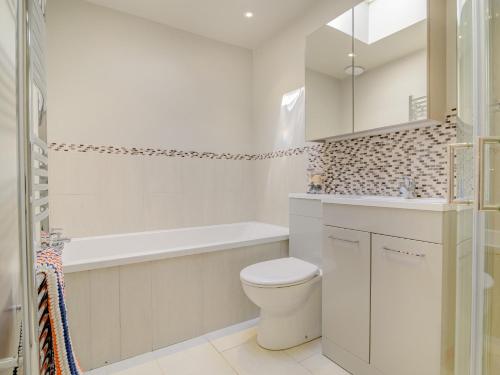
(375, 165)
(368, 165)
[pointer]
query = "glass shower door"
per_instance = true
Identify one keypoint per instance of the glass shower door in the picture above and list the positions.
(477, 186)
(488, 242)
(462, 183)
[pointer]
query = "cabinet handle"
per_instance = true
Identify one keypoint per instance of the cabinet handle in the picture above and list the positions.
(420, 255)
(341, 239)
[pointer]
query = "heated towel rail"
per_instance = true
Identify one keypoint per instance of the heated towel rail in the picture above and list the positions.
(417, 108)
(34, 163)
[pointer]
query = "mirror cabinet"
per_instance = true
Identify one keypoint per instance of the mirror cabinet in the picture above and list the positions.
(376, 66)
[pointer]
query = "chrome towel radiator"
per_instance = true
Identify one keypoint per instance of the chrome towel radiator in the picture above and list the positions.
(33, 166)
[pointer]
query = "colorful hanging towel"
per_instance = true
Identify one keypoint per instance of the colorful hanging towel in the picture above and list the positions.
(56, 351)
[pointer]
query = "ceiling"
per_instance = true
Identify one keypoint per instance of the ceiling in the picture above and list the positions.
(327, 49)
(222, 20)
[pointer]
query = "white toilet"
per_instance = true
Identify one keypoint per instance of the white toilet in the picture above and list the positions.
(288, 292)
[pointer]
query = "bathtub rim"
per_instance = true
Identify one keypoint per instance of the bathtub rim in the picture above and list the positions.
(148, 256)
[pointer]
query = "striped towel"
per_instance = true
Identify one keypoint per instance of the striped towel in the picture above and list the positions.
(56, 351)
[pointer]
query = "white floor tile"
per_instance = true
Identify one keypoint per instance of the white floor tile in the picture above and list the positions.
(304, 351)
(320, 365)
(180, 347)
(251, 359)
(230, 351)
(198, 360)
(128, 363)
(238, 338)
(149, 368)
(98, 371)
(232, 329)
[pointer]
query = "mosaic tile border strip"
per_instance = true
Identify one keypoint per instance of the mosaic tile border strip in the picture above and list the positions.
(366, 165)
(137, 151)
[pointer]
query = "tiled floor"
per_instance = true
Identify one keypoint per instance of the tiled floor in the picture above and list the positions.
(231, 351)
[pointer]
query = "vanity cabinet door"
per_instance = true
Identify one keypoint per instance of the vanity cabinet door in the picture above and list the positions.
(346, 290)
(406, 306)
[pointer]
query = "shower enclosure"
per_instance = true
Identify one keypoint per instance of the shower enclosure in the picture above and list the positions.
(476, 159)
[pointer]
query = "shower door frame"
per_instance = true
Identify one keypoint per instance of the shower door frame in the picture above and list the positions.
(481, 129)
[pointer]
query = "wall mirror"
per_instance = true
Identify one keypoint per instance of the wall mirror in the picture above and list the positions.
(368, 68)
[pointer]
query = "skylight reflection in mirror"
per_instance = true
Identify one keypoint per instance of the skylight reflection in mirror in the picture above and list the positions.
(378, 19)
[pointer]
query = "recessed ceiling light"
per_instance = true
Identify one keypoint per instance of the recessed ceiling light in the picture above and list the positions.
(248, 14)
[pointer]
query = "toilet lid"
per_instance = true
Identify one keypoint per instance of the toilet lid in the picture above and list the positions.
(279, 272)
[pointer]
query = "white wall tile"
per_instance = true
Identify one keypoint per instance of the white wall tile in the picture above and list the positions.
(122, 212)
(198, 175)
(229, 175)
(135, 310)
(122, 174)
(97, 194)
(78, 215)
(250, 189)
(163, 211)
(75, 172)
(162, 175)
(194, 209)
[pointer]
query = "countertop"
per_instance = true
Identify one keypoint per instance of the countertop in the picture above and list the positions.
(425, 204)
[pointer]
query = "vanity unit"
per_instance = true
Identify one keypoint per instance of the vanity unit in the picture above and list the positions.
(388, 282)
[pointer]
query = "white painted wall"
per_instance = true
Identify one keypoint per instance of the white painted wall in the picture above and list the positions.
(381, 97)
(328, 105)
(279, 67)
(122, 80)
(382, 94)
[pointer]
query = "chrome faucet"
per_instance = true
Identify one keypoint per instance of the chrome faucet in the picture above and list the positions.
(407, 188)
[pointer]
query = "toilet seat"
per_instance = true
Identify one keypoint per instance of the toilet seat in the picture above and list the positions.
(278, 273)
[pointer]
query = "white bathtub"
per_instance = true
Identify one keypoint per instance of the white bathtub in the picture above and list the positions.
(89, 253)
(130, 294)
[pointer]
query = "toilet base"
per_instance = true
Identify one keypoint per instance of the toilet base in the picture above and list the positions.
(278, 331)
